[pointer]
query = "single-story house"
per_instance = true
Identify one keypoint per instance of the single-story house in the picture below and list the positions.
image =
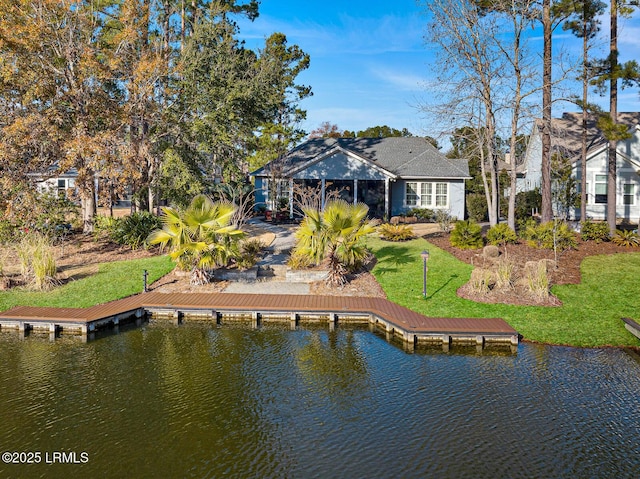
(64, 183)
(566, 141)
(390, 175)
(61, 182)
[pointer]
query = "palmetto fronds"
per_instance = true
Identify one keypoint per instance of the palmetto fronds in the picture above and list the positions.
(335, 234)
(199, 237)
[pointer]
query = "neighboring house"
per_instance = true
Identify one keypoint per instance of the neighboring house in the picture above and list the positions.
(62, 183)
(390, 175)
(566, 141)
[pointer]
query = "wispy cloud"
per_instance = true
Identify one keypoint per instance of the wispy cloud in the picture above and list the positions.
(398, 79)
(345, 35)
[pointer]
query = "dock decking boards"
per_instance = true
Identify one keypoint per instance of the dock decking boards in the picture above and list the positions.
(411, 326)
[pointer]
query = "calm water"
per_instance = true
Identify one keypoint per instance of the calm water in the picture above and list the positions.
(200, 401)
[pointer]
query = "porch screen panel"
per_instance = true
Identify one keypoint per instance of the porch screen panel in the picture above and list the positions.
(343, 187)
(371, 193)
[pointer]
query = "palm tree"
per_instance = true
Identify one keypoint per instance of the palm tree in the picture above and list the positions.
(335, 235)
(199, 237)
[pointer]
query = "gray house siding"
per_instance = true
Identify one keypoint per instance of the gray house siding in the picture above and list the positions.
(627, 184)
(455, 191)
(533, 159)
(372, 170)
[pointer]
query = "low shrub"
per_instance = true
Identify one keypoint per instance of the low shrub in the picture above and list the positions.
(501, 235)
(526, 228)
(598, 232)
(626, 238)
(423, 214)
(466, 234)
(8, 231)
(133, 230)
(104, 226)
(249, 254)
(299, 260)
(554, 235)
(391, 232)
(477, 207)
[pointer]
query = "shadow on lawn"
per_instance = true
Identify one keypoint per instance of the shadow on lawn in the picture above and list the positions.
(443, 285)
(390, 259)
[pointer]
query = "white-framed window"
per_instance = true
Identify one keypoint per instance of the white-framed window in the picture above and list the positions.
(442, 194)
(421, 193)
(426, 194)
(600, 184)
(411, 196)
(275, 192)
(629, 194)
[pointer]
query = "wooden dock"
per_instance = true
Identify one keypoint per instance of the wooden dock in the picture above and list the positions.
(413, 328)
(632, 326)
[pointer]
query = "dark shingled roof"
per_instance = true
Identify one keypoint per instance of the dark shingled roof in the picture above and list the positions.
(400, 156)
(566, 132)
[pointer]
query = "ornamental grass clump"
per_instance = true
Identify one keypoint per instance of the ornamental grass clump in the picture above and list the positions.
(481, 281)
(134, 229)
(537, 279)
(37, 260)
(504, 273)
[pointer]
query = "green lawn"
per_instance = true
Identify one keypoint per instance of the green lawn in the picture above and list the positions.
(113, 281)
(590, 314)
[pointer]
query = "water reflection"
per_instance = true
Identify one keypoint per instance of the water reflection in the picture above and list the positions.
(333, 366)
(207, 401)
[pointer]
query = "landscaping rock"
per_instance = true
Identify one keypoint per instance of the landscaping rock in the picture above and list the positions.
(491, 251)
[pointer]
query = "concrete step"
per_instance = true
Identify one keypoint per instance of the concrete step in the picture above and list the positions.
(272, 271)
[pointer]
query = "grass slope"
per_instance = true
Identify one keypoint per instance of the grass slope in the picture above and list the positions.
(113, 281)
(589, 317)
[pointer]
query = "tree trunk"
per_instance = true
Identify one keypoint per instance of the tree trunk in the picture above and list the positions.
(88, 205)
(545, 187)
(613, 111)
(585, 97)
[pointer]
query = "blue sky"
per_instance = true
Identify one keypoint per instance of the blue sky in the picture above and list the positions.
(369, 63)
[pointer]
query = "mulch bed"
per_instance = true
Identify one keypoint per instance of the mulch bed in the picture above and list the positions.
(567, 269)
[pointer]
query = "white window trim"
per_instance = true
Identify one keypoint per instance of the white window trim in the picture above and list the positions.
(434, 195)
(595, 183)
(632, 194)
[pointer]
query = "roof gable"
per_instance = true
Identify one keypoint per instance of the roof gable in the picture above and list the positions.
(566, 132)
(396, 157)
